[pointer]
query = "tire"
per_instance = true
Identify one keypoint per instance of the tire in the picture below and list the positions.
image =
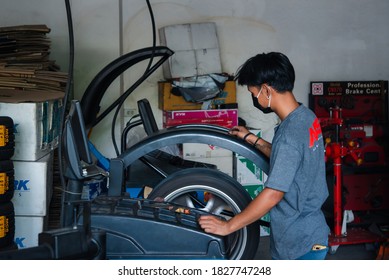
(7, 224)
(7, 178)
(7, 138)
(186, 187)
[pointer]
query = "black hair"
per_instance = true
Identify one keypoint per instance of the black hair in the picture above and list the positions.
(273, 68)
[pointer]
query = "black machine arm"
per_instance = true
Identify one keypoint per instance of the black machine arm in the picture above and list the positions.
(91, 99)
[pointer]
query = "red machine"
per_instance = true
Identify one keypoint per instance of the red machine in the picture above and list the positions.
(354, 120)
(342, 146)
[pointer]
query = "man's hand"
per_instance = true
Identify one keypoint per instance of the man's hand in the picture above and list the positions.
(239, 131)
(256, 209)
(214, 225)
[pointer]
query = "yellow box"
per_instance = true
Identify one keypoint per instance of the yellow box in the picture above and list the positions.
(170, 102)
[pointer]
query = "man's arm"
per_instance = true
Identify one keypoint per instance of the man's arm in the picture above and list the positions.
(257, 208)
(260, 143)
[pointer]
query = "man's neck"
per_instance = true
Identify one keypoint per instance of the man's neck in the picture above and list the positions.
(286, 104)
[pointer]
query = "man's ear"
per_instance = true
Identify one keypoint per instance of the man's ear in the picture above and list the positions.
(268, 91)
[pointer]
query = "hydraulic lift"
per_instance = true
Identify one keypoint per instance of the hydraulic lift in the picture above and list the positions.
(336, 150)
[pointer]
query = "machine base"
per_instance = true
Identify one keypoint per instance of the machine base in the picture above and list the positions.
(144, 229)
(354, 236)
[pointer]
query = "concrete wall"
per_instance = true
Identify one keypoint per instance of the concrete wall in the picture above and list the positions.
(325, 40)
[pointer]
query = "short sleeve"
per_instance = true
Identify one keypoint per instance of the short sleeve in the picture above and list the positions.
(285, 162)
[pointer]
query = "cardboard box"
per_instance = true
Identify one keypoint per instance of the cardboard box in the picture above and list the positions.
(170, 102)
(227, 118)
(196, 49)
(36, 116)
(247, 173)
(254, 190)
(222, 158)
(252, 179)
(223, 164)
(27, 230)
(199, 150)
(33, 186)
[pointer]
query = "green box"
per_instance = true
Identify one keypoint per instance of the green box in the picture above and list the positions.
(254, 190)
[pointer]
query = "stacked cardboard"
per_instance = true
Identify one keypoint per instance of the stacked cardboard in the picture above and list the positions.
(25, 62)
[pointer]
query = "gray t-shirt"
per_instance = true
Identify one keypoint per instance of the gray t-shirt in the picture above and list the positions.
(297, 167)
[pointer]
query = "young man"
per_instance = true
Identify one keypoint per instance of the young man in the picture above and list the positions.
(296, 186)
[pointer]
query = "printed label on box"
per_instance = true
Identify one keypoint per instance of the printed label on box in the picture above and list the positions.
(27, 230)
(227, 118)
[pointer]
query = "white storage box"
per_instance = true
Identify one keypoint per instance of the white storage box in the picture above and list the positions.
(36, 116)
(196, 49)
(199, 150)
(254, 190)
(247, 173)
(27, 230)
(223, 164)
(252, 179)
(33, 186)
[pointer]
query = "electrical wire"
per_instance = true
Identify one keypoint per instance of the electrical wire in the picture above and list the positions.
(154, 35)
(127, 92)
(68, 91)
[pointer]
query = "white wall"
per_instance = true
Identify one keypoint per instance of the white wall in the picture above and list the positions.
(325, 40)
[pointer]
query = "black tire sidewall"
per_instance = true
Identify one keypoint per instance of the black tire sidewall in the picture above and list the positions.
(7, 151)
(7, 210)
(7, 167)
